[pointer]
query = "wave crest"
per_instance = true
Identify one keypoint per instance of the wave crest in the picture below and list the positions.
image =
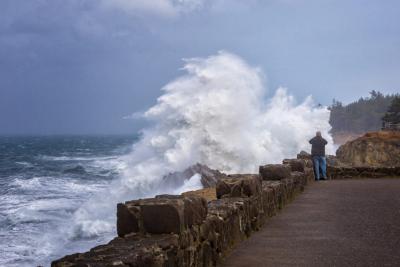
(215, 114)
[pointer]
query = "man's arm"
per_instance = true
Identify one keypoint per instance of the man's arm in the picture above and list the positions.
(311, 140)
(325, 142)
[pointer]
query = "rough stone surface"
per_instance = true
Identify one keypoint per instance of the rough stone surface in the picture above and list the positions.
(376, 149)
(296, 165)
(241, 185)
(206, 193)
(362, 172)
(127, 218)
(275, 171)
(160, 215)
(134, 250)
(303, 155)
(195, 210)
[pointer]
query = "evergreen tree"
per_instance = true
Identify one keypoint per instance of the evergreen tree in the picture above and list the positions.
(362, 115)
(393, 113)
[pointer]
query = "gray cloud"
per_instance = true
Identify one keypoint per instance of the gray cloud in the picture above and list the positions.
(80, 66)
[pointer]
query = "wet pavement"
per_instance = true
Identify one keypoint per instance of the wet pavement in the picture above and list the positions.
(332, 223)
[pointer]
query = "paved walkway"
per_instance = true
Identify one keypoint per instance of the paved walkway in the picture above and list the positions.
(333, 223)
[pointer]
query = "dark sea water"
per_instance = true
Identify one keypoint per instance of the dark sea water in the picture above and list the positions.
(43, 181)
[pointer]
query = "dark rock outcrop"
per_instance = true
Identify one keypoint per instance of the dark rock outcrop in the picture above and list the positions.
(209, 177)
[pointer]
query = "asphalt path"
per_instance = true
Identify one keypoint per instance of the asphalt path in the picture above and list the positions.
(332, 223)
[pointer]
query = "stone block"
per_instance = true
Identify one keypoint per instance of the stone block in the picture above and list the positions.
(160, 215)
(275, 171)
(240, 185)
(296, 165)
(195, 210)
(128, 216)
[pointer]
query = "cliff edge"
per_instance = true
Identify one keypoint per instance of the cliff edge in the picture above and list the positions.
(374, 149)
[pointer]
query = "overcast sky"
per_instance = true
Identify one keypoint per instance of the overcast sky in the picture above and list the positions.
(80, 66)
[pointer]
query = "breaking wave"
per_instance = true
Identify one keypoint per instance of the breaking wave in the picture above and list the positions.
(215, 114)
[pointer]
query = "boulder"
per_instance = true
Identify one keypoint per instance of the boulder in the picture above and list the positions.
(275, 171)
(375, 149)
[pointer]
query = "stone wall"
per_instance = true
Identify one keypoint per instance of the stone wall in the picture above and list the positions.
(189, 231)
(362, 172)
(338, 170)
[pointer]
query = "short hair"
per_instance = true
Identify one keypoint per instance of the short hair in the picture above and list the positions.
(318, 133)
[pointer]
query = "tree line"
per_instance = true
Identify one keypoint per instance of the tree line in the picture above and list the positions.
(366, 114)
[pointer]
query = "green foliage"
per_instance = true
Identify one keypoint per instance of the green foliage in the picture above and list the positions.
(362, 115)
(393, 113)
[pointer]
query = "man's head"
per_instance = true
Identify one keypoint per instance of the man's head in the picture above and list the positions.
(318, 133)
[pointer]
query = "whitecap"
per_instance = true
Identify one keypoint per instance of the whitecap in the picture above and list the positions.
(71, 158)
(24, 163)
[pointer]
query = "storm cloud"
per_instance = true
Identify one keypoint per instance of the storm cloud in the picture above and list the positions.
(82, 66)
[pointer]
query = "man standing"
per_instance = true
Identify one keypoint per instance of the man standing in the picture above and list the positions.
(318, 156)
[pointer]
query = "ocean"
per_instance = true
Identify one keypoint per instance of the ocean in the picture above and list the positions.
(43, 181)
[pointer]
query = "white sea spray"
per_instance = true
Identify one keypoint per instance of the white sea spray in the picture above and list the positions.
(215, 114)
